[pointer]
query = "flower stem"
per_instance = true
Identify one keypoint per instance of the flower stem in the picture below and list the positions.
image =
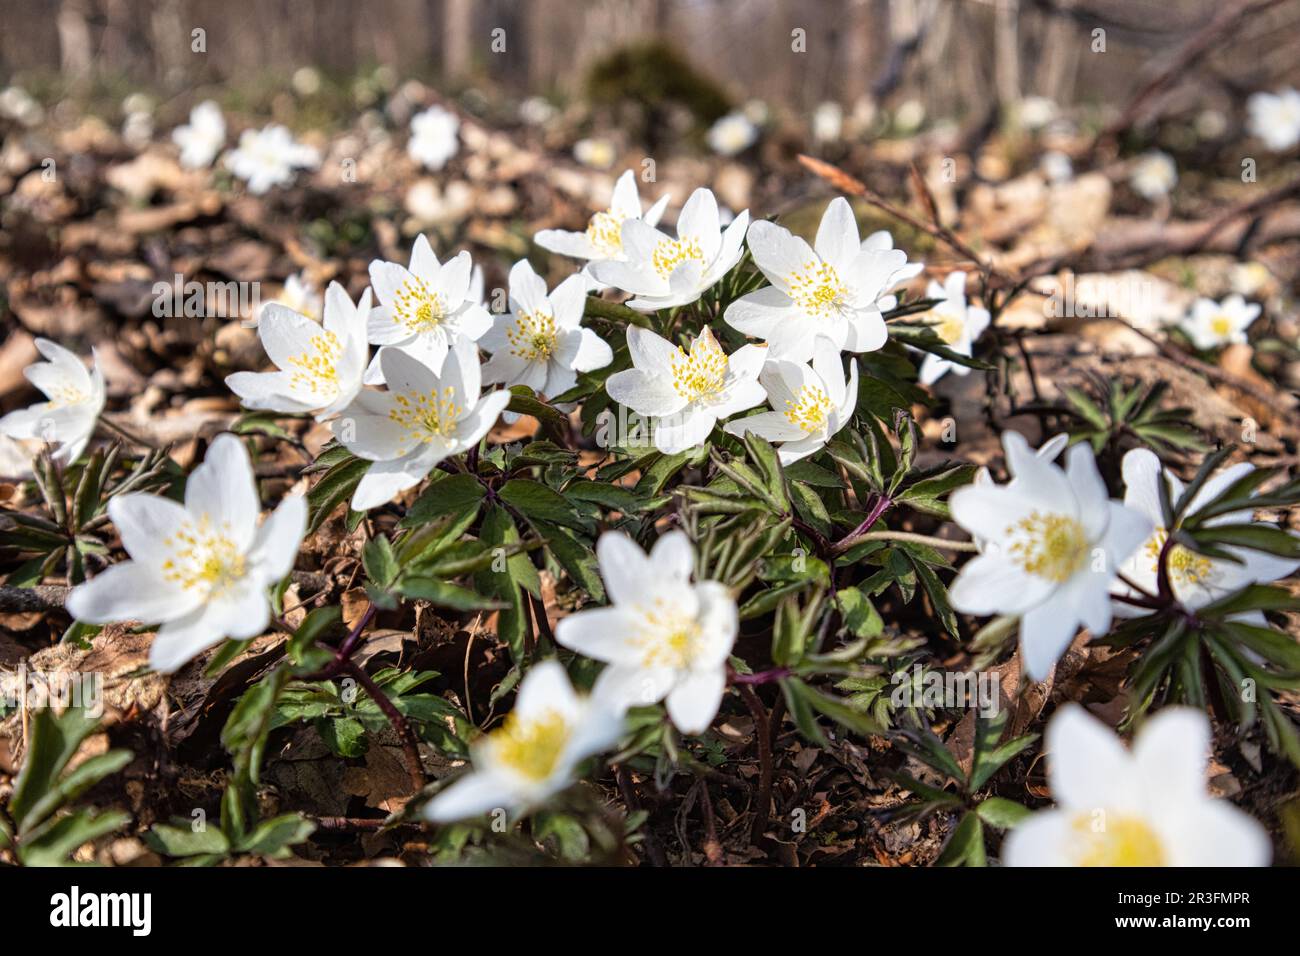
(852, 541)
(763, 808)
(410, 745)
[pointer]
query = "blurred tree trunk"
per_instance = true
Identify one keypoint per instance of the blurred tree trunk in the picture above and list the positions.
(74, 38)
(457, 38)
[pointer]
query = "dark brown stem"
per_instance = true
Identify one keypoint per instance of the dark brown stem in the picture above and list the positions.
(410, 745)
(762, 735)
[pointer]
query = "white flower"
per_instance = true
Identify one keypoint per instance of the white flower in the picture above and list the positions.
(533, 754)
(203, 138)
(1056, 166)
(732, 134)
(17, 104)
(1036, 112)
(661, 636)
(827, 122)
(320, 364)
(1053, 543)
(433, 137)
(268, 157)
(663, 272)
(75, 397)
(1147, 806)
(1275, 118)
(836, 288)
(201, 569)
(685, 394)
(603, 238)
(960, 326)
(423, 310)
(1154, 175)
(1196, 579)
(596, 153)
(537, 111)
(810, 405)
(540, 342)
(1211, 324)
(423, 418)
(300, 295)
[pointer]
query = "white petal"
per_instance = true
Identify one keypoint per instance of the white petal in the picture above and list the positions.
(1045, 632)
(278, 539)
(599, 633)
(473, 794)
(694, 701)
(144, 521)
(630, 685)
(223, 488)
(624, 567)
(1042, 839)
(1171, 751)
(129, 591)
(645, 392)
(990, 584)
(837, 235)
(1088, 766)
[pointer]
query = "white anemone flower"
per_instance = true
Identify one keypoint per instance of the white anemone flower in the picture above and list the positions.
(732, 134)
(684, 394)
(1154, 175)
(960, 325)
(74, 399)
(423, 418)
(603, 237)
(203, 137)
(533, 754)
(298, 294)
(434, 137)
(201, 569)
(320, 365)
(809, 404)
(1212, 325)
(1053, 543)
(540, 342)
(1275, 118)
(1196, 579)
(424, 309)
(1145, 806)
(662, 272)
(268, 157)
(834, 288)
(662, 635)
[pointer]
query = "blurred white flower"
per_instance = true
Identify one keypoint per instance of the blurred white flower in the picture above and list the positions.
(827, 122)
(540, 342)
(596, 153)
(19, 105)
(810, 404)
(434, 137)
(1211, 324)
(1154, 175)
(1145, 806)
(537, 111)
(423, 418)
(732, 134)
(1056, 166)
(306, 81)
(756, 111)
(1035, 112)
(909, 116)
(74, 399)
(534, 753)
(662, 272)
(268, 157)
(662, 636)
(137, 130)
(603, 238)
(202, 139)
(201, 569)
(320, 365)
(1275, 118)
(684, 394)
(960, 326)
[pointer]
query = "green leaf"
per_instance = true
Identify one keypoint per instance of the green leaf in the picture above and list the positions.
(453, 494)
(273, 837)
(333, 488)
(445, 594)
(59, 838)
(379, 561)
(52, 742)
(1001, 813)
(966, 845)
(181, 840)
(538, 502)
(345, 736)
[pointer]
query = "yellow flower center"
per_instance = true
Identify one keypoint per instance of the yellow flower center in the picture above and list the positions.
(316, 369)
(531, 748)
(202, 557)
(65, 395)
(703, 372)
(426, 416)
(671, 253)
(1185, 565)
(418, 307)
(818, 289)
(605, 232)
(532, 337)
(1109, 840)
(810, 410)
(1051, 546)
(1221, 326)
(951, 328)
(668, 638)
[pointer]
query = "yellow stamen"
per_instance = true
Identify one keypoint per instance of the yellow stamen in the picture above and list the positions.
(426, 416)
(532, 336)
(1185, 565)
(1110, 840)
(417, 307)
(703, 372)
(316, 369)
(818, 289)
(667, 637)
(605, 232)
(810, 410)
(1051, 546)
(202, 557)
(531, 748)
(671, 253)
